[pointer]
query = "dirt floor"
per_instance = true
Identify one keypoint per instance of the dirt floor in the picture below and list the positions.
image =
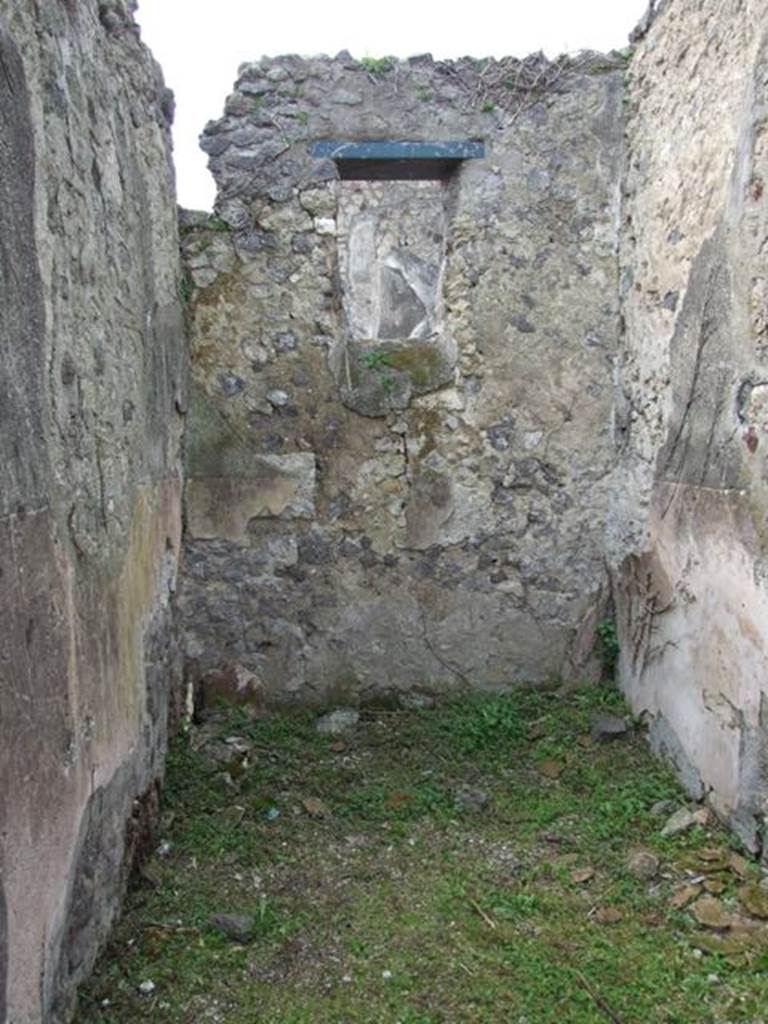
(484, 861)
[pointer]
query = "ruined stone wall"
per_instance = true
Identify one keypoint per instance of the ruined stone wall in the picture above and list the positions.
(91, 388)
(411, 448)
(400, 441)
(692, 500)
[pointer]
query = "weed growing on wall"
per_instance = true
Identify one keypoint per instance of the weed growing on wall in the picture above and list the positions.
(217, 224)
(377, 360)
(186, 288)
(609, 646)
(377, 65)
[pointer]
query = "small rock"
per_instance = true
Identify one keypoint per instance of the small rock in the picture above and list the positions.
(679, 822)
(643, 864)
(347, 97)
(522, 324)
(237, 927)
(684, 896)
(233, 814)
(709, 867)
(711, 913)
(239, 745)
(663, 808)
(147, 987)
(277, 397)
(604, 728)
(739, 865)
(712, 854)
(732, 945)
(222, 754)
(608, 915)
(468, 798)
(272, 813)
(565, 860)
(653, 919)
(551, 769)
(715, 886)
(315, 807)
(754, 900)
(415, 701)
(337, 722)
(230, 384)
(386, 975)
(582, 875)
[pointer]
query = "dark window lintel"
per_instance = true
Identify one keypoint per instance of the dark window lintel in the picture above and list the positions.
(387, 160)
(386, 149)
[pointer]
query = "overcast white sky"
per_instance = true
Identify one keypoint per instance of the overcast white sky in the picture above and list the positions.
(201, 42)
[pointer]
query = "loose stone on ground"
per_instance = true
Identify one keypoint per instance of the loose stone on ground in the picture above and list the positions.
(237, 927)
(643, 864)
(338, 722)
(604, 728)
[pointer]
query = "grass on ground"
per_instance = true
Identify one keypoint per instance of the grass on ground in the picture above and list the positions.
(376, 899)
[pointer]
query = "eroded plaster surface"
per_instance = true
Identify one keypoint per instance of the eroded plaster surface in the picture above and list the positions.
(691, 507)
(91, 378)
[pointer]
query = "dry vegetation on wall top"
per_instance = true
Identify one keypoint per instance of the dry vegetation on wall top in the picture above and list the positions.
(490, 861)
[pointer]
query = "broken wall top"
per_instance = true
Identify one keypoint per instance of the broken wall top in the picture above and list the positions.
(259, 149)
